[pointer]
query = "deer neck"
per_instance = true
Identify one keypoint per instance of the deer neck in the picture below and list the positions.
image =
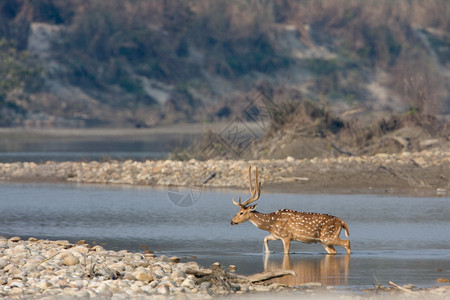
(260, 220)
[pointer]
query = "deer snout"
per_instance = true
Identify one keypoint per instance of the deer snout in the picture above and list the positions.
(233, 223)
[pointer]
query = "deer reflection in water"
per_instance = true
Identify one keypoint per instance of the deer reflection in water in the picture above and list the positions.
(326, 269)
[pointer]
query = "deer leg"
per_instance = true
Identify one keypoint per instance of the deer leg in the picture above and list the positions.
(266, 261)
(330, 249)
(343, 243)
(266, 239)
(287, 245)
(347, 246)
(336, 241)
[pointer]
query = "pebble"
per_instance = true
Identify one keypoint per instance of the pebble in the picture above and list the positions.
(70, 260)
(188, 283)
(15, 239)
(232, 268)
(163, 290)
(142, 275)
(178, 274)
(3, 263)
(43, 285)
(215, 266)
(175, 259)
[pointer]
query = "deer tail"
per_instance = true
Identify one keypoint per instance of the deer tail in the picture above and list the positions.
(344, 225)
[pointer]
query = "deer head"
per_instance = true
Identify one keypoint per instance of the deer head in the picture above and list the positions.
(245, 208)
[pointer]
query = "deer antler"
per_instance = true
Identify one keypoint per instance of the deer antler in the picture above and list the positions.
(238, 204)
(255, 193)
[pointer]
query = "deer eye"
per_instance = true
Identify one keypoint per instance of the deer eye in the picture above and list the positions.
(241, 213)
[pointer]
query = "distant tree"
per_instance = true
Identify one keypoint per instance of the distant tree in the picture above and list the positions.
(18, 69)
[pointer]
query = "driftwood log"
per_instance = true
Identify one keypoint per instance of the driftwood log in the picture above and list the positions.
(266, 275)
(258, 277)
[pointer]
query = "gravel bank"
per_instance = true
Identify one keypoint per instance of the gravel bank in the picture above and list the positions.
(56, 269)
(42, 268)
(421, 170)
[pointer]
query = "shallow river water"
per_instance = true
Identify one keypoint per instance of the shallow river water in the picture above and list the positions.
(403, 239)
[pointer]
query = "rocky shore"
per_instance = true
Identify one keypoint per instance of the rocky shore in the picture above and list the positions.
(54, 269)
(425, 170)
(42, 268)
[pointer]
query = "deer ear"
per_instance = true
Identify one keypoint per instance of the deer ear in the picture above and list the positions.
(253, 207)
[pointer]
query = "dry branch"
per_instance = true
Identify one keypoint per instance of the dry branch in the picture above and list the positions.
(402, 288)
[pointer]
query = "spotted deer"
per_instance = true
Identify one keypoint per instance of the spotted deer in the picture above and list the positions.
(287, 225)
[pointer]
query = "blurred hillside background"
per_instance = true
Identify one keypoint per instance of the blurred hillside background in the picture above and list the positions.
(140, 63)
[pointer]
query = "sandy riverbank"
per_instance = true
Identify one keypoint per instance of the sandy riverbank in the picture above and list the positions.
(415, 173)
(53, 269)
